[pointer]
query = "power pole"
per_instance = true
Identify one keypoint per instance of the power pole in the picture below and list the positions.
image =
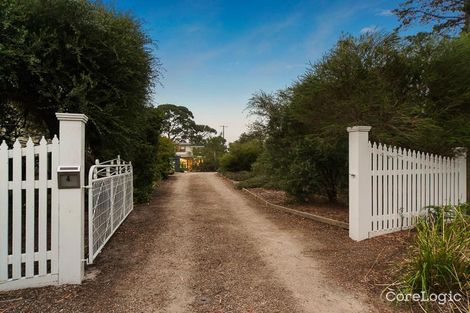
(223, 130)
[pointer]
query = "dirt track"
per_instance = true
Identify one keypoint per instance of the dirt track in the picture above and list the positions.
(201, 246)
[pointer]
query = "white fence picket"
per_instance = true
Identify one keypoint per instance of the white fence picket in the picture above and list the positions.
(390, 194)
(400, 187)
(433, 180)
(395, 207)
(54, 150)
(374, 210)
(17, 210)
(380, 188)
(30, 203)
(4, 211)
(42, 149)
(452, 180)
(419, 194)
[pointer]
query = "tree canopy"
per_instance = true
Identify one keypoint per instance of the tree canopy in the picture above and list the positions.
(413, 91)
(444, 15)
(80, 57)
(179, 125)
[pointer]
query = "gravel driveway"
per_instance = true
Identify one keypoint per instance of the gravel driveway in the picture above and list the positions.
(200, 246)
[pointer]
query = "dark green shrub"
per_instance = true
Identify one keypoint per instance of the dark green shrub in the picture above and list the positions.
(241, 156)
(239, 176)
(255, 182)
(318, 167)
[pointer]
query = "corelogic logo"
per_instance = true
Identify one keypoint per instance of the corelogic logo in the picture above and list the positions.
(440, 298)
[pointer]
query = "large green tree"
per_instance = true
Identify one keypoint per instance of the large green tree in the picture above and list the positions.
(179, 125)
(75, 56)
(414, 92)
(82, 57)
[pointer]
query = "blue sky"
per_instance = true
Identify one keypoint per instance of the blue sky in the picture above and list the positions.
(216, 54)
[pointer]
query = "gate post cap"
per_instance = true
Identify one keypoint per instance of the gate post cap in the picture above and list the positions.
(460, 151)
(359, 129)
(72, 117)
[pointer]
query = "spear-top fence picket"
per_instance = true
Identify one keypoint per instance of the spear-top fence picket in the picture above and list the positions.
(390, 186)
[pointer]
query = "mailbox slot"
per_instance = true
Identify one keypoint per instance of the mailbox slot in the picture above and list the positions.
(68, 177)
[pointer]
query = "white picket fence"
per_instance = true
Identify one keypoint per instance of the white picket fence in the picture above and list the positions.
(390, 186)
(41, 225)
(29, 213)
(404, 182)
(42, 217)
(110, 201)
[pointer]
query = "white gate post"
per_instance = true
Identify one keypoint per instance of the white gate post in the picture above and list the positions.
(72, 201)
(461, 158)
(359, 182)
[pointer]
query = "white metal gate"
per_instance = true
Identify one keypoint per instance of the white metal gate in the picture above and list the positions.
(110, 200)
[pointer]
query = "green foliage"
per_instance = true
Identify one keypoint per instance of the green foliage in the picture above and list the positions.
(75, 56)
(370, 80)
(179, 125)
(166, 151)
(80, 57)
(439, 257)
(144, 153)
(239, 176)
(177, 121)
(214, 148)
(241, 155)
(317, 167)
(259, 181)
(414, 92)
(448, 78)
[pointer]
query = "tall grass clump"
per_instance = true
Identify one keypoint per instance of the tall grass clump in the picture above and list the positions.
(439, 260)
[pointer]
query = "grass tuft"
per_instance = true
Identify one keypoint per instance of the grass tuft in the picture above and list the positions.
(439, 259)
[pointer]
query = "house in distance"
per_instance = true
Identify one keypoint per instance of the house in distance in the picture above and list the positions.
(185, 159)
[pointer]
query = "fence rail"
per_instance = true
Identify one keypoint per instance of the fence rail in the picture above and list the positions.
(110, 202)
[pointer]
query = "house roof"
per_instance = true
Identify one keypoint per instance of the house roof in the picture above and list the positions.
(189, 145)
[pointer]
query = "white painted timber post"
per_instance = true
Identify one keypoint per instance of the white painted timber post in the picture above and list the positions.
(461, 158)
(360, 205)
(72, 201)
